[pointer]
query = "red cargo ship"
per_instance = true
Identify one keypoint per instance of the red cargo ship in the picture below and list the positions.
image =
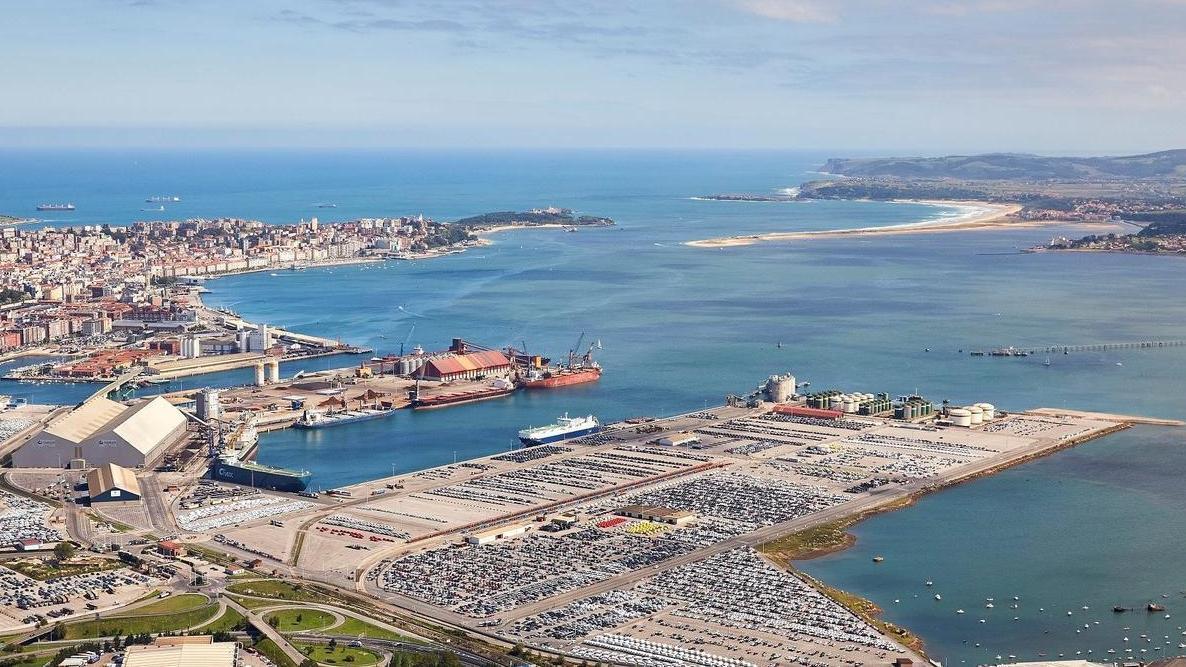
(562, 377)
(580, 369)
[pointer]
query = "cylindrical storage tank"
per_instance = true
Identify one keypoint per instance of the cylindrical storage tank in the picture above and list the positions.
(835, 401)
(990, 410)
(977, 414)
(259, 374)
(960, 417)
(850, 405)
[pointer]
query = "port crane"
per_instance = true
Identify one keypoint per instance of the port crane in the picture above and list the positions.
(406, 339)
(586, 358)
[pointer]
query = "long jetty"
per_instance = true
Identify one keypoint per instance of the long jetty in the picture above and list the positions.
(1092, 347)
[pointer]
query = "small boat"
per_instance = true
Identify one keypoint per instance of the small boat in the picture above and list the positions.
(1047, 362)
(1153, 606)
(1120, 610)
(938, 597)
(878, 559)
(959, 611)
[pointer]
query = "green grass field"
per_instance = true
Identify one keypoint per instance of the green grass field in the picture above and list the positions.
(341, 655)
(299, 620)
(273, 652)
(126, 625)
(30, 661)
(275, 589)
(252, 603)
(171, 605)
(43, 570)
(353, 627)
(229, 620)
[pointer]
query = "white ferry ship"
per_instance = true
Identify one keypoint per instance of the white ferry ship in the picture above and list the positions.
(565, 427)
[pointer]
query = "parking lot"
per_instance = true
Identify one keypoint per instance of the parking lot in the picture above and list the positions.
(23, 599)
(622, 547)
(22, 518)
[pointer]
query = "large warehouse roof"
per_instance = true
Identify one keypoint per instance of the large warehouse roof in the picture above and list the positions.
(147, 424)
(110, 476)
(473, 361)
(85, 420)
(220, 654)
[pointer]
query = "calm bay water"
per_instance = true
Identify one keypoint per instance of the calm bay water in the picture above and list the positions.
(682, 326)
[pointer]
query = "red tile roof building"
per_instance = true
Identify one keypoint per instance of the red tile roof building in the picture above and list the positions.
(467, 366)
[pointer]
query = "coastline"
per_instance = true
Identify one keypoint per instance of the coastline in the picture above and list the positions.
(1106, 251)
(870, 611)
(496, 229)
(977, 215)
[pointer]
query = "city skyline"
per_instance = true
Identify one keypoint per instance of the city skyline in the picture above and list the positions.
(935, 76)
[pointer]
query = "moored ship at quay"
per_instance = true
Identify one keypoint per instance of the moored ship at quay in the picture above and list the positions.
(312, 419)
(230, 468)
(579, 370)
(565, 428)
(496, 389)
(561, 377)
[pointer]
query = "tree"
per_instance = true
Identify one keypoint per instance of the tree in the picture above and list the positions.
(64, 551)
(333, 644)
(309, 662)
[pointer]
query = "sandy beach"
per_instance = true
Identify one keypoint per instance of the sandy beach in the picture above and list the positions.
(482, 231)
(976, 215)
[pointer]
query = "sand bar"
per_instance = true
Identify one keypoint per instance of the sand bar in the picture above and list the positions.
(976, 215)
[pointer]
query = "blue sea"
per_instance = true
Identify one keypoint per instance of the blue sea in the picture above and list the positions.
(680, 327)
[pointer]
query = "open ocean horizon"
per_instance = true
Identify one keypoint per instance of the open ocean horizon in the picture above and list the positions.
(680, 327)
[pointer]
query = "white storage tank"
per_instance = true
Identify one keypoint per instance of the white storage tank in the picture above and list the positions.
(977, 414)
(960, 417)
(780, 388)
(836, 401)
(850, 405)
(990, 410)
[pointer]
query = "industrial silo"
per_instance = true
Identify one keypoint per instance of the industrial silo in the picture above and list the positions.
(960, 417)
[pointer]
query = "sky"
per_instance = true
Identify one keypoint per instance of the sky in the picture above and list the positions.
(1059, 76)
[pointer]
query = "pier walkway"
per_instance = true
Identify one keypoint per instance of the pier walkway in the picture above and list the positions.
(1093, 347)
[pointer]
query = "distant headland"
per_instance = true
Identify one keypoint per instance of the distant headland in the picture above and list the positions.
(1024, 189)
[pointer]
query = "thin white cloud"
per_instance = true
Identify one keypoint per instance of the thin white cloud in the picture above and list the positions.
(794, 11)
